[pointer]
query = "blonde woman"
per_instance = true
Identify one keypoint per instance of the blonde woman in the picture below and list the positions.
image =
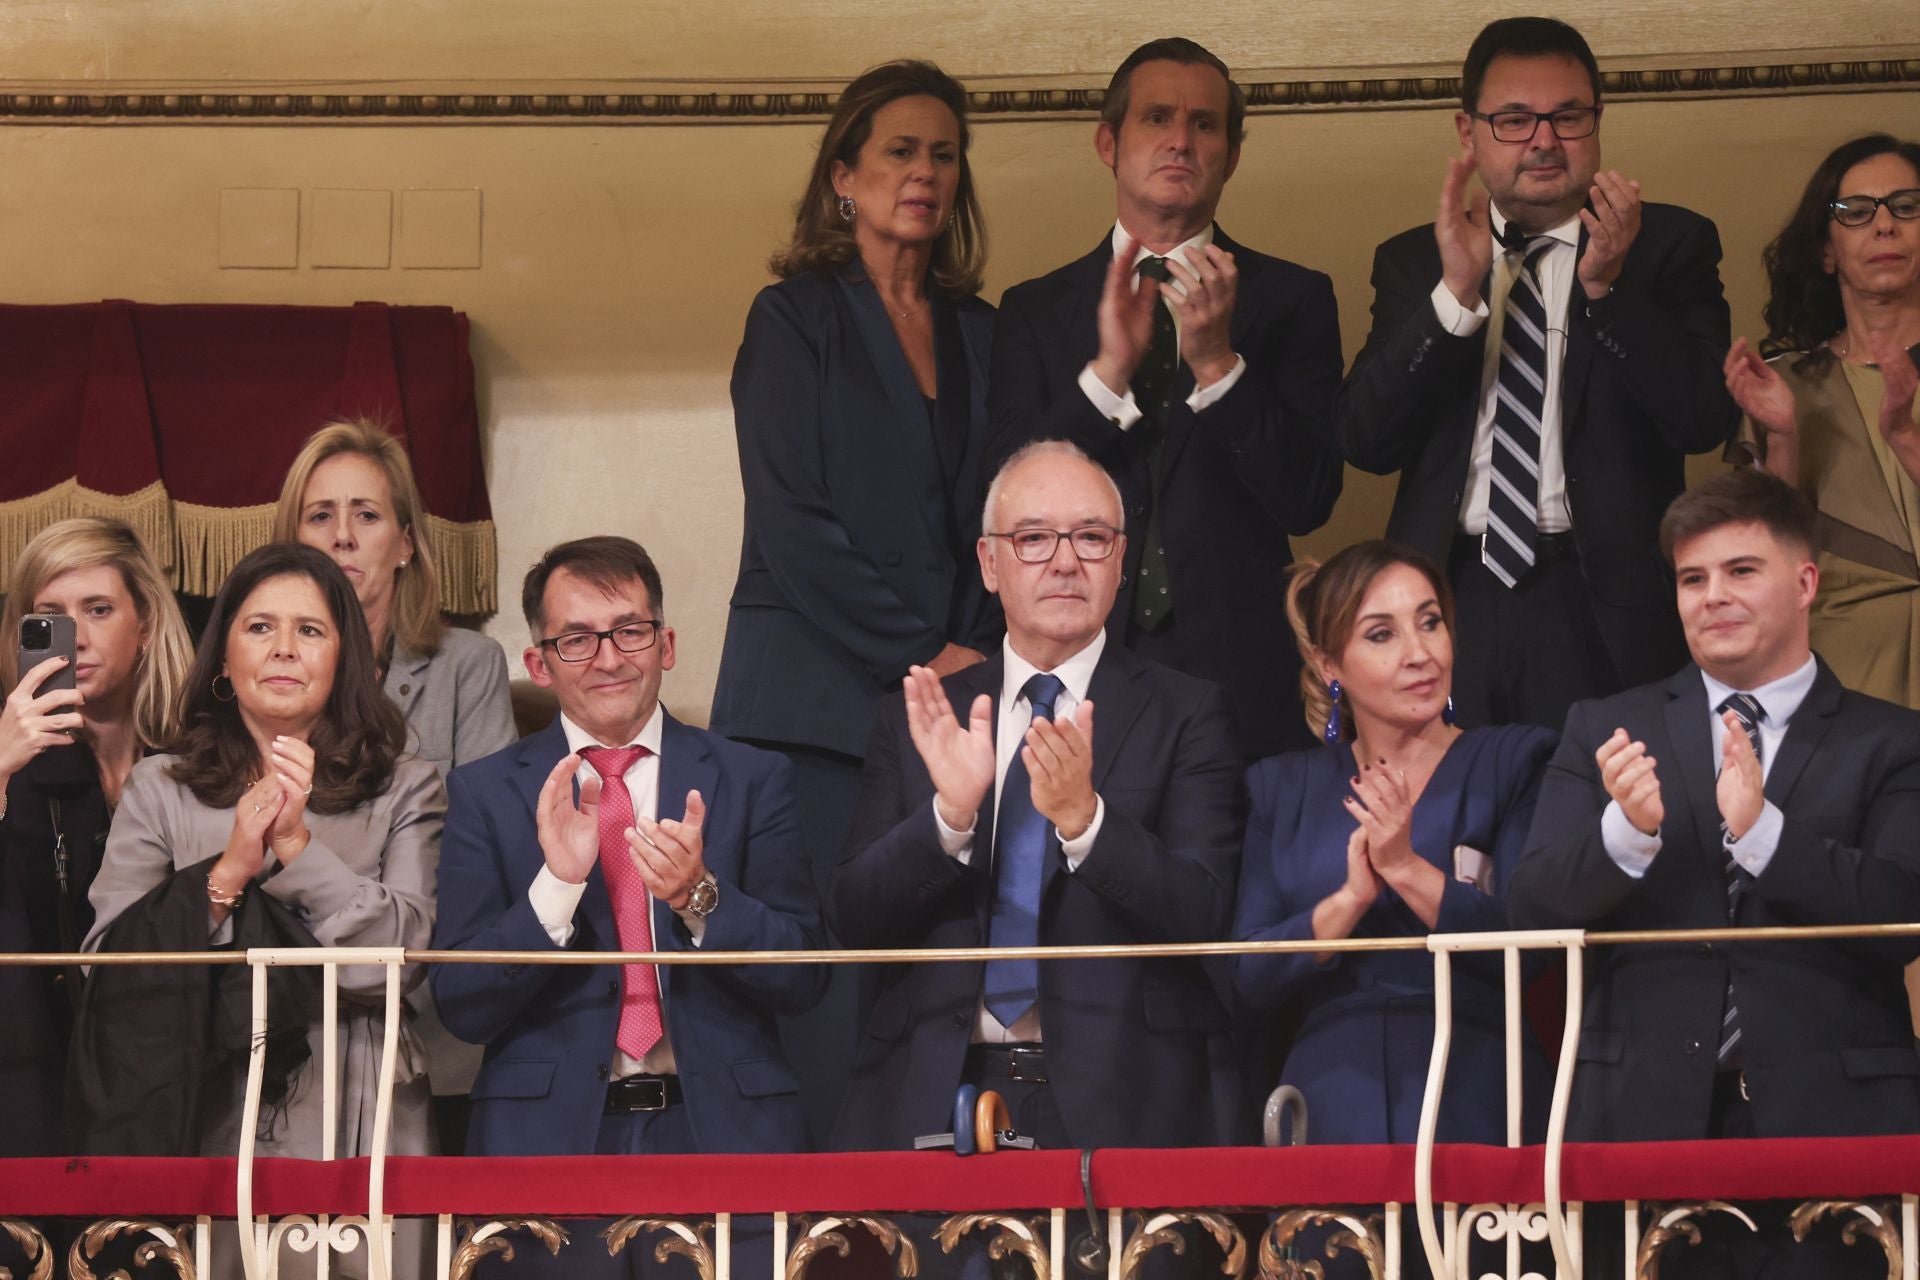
(350, 493)
(64, 758)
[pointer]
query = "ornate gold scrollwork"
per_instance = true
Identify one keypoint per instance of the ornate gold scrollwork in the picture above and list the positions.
(167, 1245)
(481, 1239)
(1016, 1235)
(1357, 1235)
(1877, 1221)
(34, 1245)
(816, 1238)
(1151, 1232)
(690, 1242)
(1675, 1222)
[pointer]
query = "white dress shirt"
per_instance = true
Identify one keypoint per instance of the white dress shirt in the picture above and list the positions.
(1633, 850)
(1015, 717)
(555, 901)
(1557, 268)
(1122, 410)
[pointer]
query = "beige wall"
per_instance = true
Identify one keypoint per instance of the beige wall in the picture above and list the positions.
(618, 260)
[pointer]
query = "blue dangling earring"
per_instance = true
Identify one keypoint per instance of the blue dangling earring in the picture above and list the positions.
(1332, 733)
(1446, 713)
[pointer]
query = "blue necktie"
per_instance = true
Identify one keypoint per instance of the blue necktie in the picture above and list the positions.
(1021, 838)
(1747, 710)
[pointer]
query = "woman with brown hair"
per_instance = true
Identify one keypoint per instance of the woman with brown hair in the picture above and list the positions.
(859, 400)
(351, 494)
(1402, 824)
(287, 812)
(1832, 410)
(64, 760)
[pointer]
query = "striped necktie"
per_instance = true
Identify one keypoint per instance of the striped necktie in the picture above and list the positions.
(1520, 396)
(1747, 709)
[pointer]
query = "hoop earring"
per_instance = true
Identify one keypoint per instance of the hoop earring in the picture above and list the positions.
(215, 685)
(1332, 731)
(1447, 716)
(846, 208)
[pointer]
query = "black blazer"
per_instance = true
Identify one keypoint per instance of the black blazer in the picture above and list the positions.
(1253, 469)
(1828, 1041)
(39, 1003)
(1641, 389)
(861, 515)
(1138, 1050)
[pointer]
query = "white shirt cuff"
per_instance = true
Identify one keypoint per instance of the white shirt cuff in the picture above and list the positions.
(958, 845)
(1453, 317)
(1077, 849)
(1754, 851)
(554, 902)
(696, 925)
(1631, 849)
(1204, 396)
(1119, 410)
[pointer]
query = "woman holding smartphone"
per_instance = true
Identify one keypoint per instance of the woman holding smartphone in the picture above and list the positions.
(64, 757)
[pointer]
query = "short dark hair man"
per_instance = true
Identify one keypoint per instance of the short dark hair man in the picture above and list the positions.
(618, 828)
(1543, 357)
(1749, 789)
(1206, 392)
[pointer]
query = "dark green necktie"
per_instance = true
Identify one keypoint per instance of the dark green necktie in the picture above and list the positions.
(1153, 384)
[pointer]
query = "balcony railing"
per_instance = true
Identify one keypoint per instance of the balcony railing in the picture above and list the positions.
(1029, 1204)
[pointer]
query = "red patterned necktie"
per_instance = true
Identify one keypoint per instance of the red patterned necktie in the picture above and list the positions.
(640, 1022)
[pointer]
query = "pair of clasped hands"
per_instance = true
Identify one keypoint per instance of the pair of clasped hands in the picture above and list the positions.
(271, 814)
(1627, 772)
(669, 854)
(960, 758)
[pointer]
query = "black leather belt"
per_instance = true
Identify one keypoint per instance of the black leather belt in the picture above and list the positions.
(1548, 548)
(642, 1093)
(1026, 1063)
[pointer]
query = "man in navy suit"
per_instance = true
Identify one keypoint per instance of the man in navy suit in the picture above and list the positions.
(1543, 357)
(618, 828)
(1201, 374)
(1064, 791)
(1750, 789)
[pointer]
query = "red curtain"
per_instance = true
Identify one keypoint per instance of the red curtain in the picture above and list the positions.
(183, 420)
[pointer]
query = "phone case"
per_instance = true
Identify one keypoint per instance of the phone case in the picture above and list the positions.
(61, 646)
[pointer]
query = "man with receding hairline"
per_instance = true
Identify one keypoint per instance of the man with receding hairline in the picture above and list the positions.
(1064, 791)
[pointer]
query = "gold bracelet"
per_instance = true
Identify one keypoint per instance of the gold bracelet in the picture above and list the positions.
(219, 899)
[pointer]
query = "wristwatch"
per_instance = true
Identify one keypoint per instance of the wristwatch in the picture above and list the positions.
(703, 897)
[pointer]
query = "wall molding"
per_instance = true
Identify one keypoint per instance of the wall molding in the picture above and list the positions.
(521, 103)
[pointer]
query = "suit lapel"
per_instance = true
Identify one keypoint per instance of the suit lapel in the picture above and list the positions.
(953, 410)
(405, 679)
(1577, 367)
(1805, 732)
(1079, 305)
(1692, 740)
(908, 434)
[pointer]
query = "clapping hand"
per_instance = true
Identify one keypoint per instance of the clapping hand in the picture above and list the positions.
(1059, 759)
(1740, 790)
(959, 760)
(1464, 233)
(1126, 321)
(1627, 772)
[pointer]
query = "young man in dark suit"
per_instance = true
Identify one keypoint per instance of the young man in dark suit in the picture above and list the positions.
(618, 828)
(1543, 357)
(1749, 789)
(1201, 374)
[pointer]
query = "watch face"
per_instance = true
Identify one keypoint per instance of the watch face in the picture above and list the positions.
(704, 897)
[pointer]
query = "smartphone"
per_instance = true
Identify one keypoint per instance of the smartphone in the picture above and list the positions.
(43, 636)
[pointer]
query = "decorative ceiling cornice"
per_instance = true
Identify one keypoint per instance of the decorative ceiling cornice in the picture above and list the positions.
(518, 103)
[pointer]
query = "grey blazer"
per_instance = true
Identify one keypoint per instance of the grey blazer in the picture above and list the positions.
(365, 880)
(456, 701)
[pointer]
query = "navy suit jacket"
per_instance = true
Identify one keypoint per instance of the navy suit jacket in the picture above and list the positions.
(1826, 1034)
(1640, 389)
(1251, 470)
(861, 515)
(1137, 1050)
(549, 1029)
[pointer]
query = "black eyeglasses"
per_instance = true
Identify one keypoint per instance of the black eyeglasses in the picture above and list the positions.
(1037, 546)
(1520, 126)
(1858, 211)
(581, 646)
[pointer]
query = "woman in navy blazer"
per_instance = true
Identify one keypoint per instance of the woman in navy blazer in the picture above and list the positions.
(859, 400)
(1402, 824)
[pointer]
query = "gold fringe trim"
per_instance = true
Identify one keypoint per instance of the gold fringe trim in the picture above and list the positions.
(199, 544)
(211, 540)
(468, 558)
